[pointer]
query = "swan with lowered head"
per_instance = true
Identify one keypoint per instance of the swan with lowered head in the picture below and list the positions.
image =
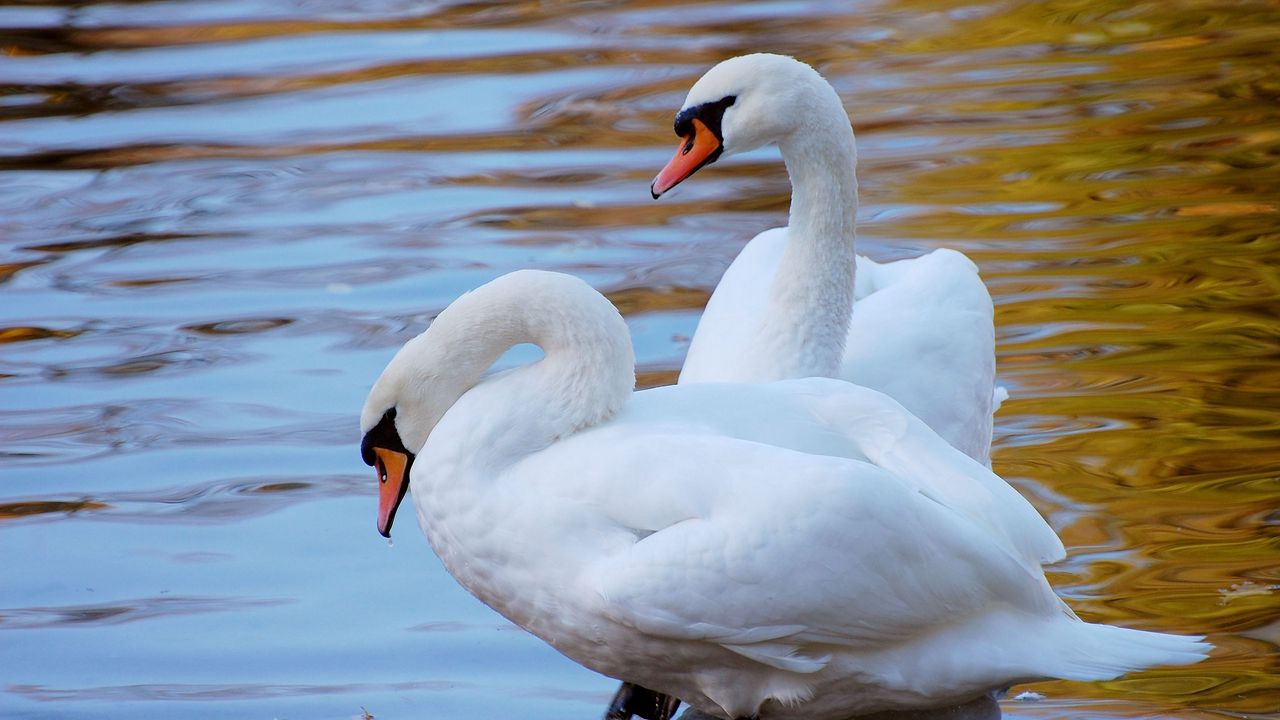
(797, 301)
(720, 543)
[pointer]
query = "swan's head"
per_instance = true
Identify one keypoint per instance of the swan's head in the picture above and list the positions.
(742, 104)
(582, 336)
(405, 404)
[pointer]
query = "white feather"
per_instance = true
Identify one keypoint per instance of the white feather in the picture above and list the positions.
(755, 550)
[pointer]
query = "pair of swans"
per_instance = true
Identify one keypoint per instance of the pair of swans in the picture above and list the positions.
(777, 544)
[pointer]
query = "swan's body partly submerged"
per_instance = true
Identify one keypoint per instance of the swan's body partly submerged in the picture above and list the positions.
(779, 550)
(791, 305)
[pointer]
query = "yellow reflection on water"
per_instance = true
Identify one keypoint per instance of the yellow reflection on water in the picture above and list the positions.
(1131, 240)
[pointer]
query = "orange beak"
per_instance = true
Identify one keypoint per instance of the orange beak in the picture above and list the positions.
(697, 149)
(393, 481)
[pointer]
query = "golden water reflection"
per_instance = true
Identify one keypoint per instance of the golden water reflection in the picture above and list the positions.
(223, 218)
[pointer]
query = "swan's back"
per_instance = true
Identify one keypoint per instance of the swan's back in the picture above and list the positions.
(921, 332)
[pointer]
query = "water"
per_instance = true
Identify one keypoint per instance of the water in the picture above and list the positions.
(220, 220)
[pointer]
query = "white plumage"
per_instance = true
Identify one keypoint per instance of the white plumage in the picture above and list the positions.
(796, 302)
(797, 549)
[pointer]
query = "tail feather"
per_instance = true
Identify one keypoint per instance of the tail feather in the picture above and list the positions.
(999, 394)
(1103, 652)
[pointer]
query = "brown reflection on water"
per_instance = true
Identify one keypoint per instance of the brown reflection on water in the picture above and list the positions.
(19, 510)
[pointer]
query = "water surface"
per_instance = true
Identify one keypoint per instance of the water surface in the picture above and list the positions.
(221, 219)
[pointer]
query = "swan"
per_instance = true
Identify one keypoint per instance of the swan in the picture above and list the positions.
(791, 304)
(670, 538)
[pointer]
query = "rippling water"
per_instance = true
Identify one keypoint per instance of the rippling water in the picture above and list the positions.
(220, 219)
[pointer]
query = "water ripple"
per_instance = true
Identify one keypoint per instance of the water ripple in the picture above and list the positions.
(207, 692)
(220, 501)
(77, 432)
(221, 219)
(124, 611)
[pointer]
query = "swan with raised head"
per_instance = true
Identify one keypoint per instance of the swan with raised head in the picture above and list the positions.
(797, 301)
(719, 543)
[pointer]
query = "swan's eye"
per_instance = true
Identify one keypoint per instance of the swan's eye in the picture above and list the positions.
(711, 114)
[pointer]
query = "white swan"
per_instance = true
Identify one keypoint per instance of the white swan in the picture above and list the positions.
(791, 304)
(658, 537)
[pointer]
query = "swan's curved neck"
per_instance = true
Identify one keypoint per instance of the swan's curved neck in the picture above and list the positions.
(586, 374)
(466, 429)
(811, 298)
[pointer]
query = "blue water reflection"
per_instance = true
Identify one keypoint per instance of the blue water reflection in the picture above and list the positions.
(221, 219)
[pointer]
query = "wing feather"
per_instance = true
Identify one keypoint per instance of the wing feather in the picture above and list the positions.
(879, 562)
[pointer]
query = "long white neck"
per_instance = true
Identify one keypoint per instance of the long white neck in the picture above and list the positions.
(811, 298)
(487, 424)
(586, 374)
